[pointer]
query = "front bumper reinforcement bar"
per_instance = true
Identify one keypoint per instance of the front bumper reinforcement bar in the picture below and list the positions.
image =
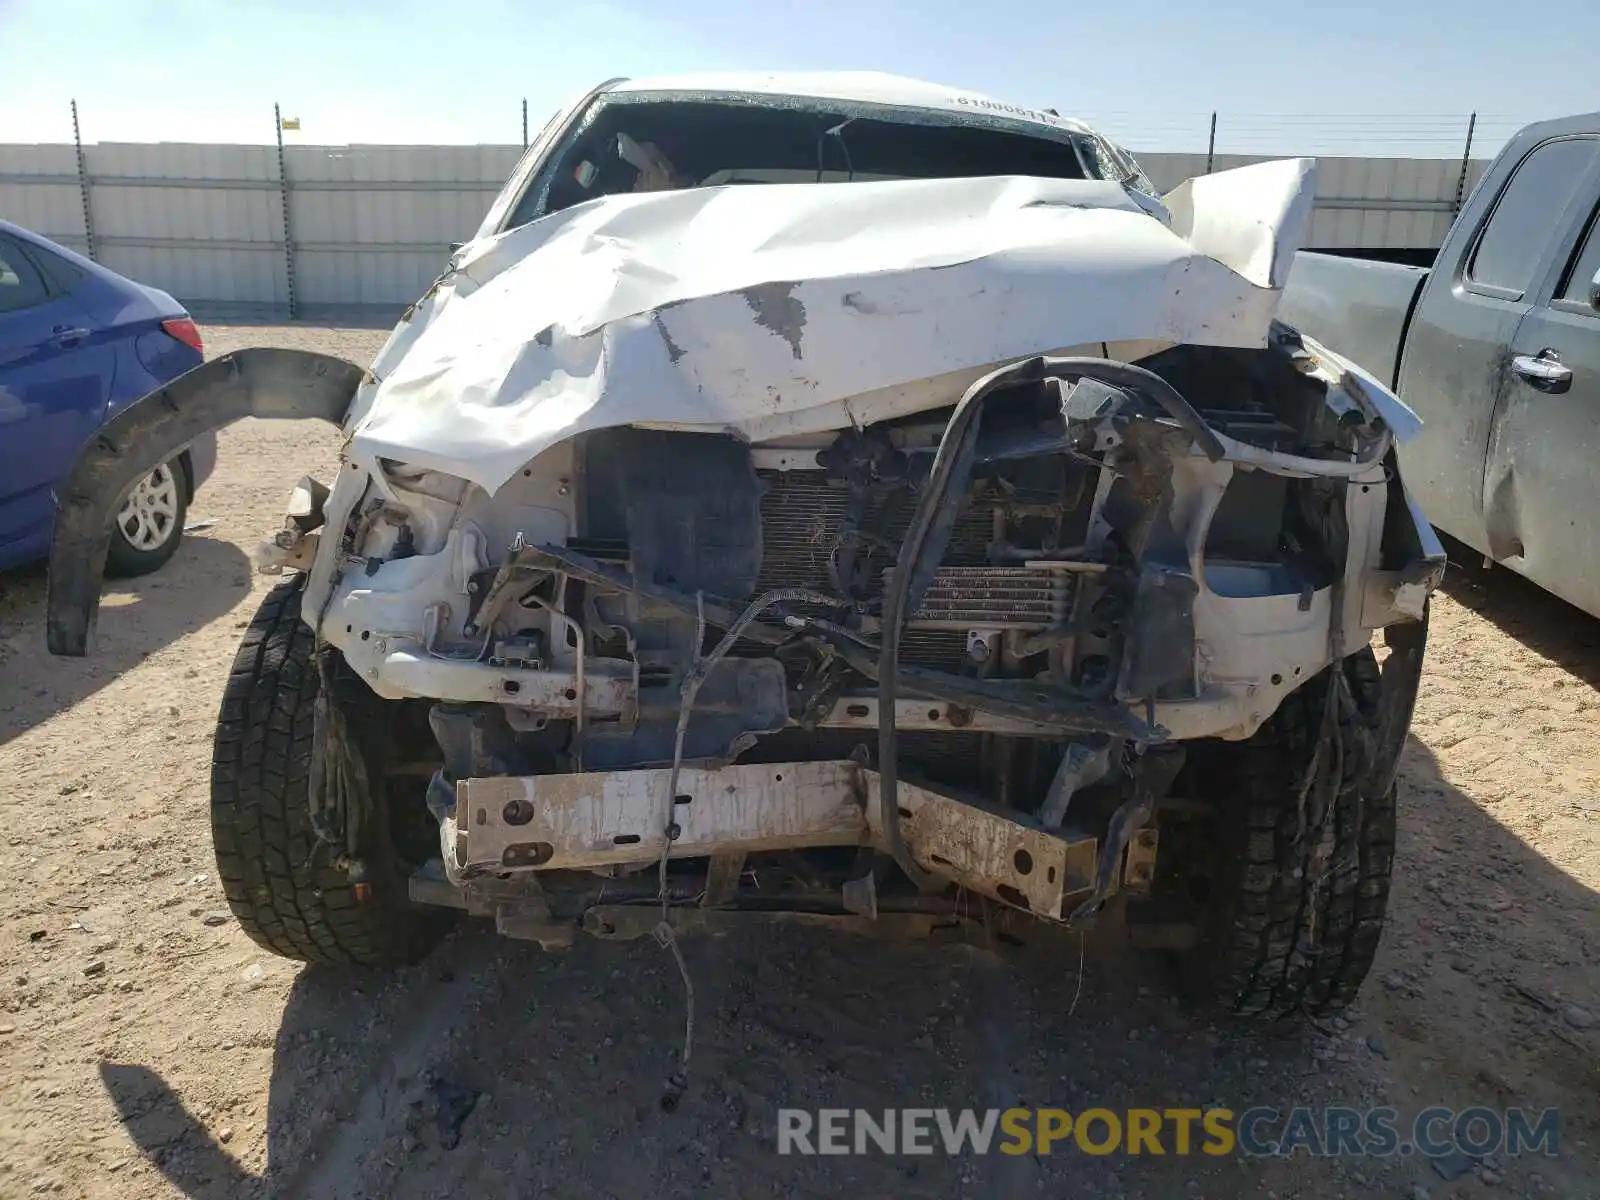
(601, 819)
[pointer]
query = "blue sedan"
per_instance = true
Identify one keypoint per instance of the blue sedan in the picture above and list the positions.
(78, 342)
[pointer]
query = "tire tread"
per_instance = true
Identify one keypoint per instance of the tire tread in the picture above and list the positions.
(1287, 937)
(276, 874)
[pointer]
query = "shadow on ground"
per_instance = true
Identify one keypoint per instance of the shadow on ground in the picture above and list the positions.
(565, 1057)
(1539, 620)
(550, 1070)
(204, 579)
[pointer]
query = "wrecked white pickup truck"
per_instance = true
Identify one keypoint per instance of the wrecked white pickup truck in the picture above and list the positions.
(832, 498)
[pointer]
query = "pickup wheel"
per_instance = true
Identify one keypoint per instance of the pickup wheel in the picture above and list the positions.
(278, 875)
(1289, 876)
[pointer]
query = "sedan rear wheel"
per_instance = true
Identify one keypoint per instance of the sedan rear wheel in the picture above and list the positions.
(149, 524)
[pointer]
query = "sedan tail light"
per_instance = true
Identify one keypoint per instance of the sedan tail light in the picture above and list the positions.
(185, 330)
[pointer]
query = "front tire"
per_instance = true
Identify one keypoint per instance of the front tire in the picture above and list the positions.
(278, 876)
(149, 524)
(1289, 883)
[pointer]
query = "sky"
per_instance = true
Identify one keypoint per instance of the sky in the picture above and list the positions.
(1380, 77)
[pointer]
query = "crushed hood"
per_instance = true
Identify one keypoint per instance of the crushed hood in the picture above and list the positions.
(775, 310)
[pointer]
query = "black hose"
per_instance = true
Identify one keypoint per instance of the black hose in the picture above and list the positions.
(1149, 384)
(259, 382)
(953, 459)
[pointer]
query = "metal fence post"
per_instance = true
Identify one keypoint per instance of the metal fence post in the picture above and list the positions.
(1211, 144)
(1466, 161)
(283, 192)
(83, 184)
(524, 122)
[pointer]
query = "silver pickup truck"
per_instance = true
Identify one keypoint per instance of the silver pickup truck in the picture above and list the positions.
(1497, 348)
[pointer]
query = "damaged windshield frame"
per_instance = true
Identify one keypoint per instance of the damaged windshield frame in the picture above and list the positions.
(1098, 157)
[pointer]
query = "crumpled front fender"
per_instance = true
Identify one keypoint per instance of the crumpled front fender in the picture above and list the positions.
(247, 383)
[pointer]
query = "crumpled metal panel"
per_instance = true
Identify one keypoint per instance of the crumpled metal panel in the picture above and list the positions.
(1005, 857)
(793, 308)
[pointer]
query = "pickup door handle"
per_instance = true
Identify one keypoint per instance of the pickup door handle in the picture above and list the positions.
(66, 336)
(1544, 371)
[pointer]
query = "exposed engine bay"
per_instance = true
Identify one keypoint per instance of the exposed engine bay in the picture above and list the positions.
(1025, 605)
(858, 547)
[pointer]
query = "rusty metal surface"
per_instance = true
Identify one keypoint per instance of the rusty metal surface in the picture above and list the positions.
(596, 819)
(1139, 863)
(608, 688)
(1005, 857)
(722, 878)
(599, 818)
(919, 715)
(531, 924)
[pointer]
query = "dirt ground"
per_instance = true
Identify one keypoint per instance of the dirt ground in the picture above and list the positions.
(148, 1049)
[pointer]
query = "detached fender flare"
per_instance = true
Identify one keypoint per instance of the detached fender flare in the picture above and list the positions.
(247, 383)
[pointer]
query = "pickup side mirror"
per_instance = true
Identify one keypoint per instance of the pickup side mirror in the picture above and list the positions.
(1594, 292)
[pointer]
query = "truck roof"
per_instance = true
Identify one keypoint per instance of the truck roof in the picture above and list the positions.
(859, 87)
(1557, 127)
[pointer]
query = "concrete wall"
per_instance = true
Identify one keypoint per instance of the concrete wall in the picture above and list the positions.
(372, 225)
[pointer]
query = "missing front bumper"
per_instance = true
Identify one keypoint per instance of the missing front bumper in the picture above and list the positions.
(601, 820)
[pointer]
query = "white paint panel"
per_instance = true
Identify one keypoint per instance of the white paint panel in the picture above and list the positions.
(793, 309)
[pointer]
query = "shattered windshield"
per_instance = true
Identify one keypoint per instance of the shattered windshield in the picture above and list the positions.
(645, 145)
(1116, 163)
